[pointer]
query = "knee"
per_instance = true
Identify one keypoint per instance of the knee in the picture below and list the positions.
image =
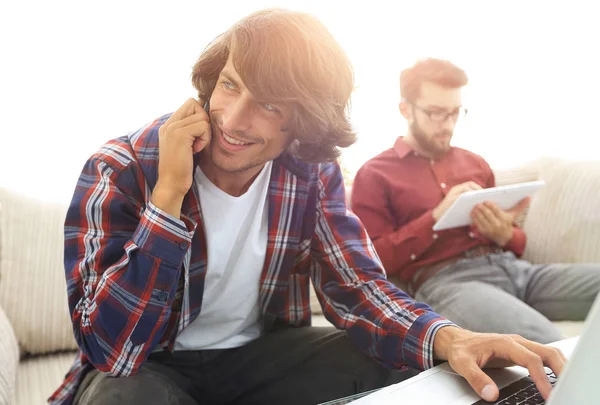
(142, 388)
(544, 334)
(368, 372)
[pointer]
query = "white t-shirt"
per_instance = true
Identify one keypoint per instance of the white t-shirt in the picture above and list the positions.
(236, 235)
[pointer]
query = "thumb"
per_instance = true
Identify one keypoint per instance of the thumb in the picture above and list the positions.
(477, 379)
(520, 207)
(203, 140)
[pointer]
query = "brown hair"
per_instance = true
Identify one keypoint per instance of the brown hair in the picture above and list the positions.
(438, 71)
(289, 57)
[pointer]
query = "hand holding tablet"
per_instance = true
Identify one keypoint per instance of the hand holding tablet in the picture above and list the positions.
(505, 197)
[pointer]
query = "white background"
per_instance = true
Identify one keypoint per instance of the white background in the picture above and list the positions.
(75, 74)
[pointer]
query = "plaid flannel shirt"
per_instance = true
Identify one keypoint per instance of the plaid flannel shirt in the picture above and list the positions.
(135, 274)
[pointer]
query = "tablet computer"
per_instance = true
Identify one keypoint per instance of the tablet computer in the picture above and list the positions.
(505, 197)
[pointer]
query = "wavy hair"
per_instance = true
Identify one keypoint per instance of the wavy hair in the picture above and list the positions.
(289, 57)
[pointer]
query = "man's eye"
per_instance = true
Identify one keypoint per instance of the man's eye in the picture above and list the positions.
(227, 85)
(270, 107)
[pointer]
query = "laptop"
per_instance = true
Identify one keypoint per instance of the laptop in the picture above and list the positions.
(576, 385)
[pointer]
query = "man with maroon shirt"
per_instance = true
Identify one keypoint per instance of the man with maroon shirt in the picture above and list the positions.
(471, 275)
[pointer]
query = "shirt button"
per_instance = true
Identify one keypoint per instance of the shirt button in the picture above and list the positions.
(413, 257)
(162, 296)
(432, 162)
(416, 154)
(435, 236)
(443, 185)
(471, 235)
(183, 246)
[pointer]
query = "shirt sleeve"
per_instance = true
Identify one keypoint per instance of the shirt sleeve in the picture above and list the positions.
(518, 241)
(397, 247)
(122, 262)
(383, 321)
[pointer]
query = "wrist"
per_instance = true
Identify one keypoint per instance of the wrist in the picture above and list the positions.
(167, 200)
(444, 340)
(505, 238)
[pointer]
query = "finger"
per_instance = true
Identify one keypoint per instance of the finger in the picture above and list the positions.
(490, 216)
(201, 142)
(520, 207)
(477, 220)
(471, 185)
(197, 130)
(486, 218)
(458, 190)
(476, 212)
(510, 349)
(483, 225)
(187, 121)
(191, 106)
(562, 355)
(480, 381)
(498, 212)
(551, 356)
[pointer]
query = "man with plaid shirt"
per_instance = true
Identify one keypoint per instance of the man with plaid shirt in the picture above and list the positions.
(190, 245)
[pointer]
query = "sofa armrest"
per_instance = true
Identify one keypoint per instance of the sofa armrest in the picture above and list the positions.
(9, 360)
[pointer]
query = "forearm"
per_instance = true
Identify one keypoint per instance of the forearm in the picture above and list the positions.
(113, 322)
(122, 305)
(167, 200)
(380, 319)
(398, 332)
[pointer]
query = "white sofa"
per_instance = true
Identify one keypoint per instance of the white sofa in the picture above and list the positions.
(36, 343)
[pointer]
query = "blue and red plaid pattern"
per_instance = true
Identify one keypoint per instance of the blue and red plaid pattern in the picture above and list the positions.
(135, 274)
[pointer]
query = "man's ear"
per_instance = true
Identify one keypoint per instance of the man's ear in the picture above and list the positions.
(406, 110)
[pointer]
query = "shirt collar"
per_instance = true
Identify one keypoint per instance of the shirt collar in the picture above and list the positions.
(402, 149)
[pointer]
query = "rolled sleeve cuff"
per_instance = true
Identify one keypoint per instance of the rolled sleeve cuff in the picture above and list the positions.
(517, 242)
(423, 228)
(161, 235)
(417, 349)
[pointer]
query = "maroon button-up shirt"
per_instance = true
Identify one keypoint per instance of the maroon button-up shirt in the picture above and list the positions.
(394, 195)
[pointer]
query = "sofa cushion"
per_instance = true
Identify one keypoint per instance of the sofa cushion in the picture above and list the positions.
(32, 280)
(9, 359)
(40, 376)
(563, 223)
(519, 174)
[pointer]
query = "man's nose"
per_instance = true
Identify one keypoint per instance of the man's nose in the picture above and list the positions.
(448, 124)
(237, 117)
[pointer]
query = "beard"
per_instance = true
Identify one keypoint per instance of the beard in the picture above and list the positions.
(224, 161)
(436, 144)
(242, 161)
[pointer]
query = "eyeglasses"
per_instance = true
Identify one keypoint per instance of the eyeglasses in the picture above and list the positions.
(442, 116)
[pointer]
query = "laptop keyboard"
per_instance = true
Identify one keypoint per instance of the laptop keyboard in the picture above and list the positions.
(521, 392)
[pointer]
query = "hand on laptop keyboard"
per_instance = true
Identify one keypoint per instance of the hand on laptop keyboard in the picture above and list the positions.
(521, 392)
(468, 352)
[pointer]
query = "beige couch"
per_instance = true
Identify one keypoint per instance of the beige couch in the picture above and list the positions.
(36, 343)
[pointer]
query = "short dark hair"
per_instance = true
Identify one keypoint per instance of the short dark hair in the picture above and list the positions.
(290, 57)
(438, 71)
